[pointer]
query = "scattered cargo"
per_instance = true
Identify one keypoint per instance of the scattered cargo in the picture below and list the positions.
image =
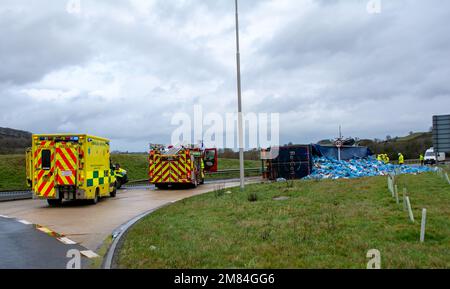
(325, 168)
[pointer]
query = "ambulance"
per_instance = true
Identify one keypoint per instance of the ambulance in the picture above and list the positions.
(71, 167)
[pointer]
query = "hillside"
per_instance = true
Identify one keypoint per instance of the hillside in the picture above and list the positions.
(411, 146)
(12, 172)
(14, 141)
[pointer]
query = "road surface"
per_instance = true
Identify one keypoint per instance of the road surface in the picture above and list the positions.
(24, 247)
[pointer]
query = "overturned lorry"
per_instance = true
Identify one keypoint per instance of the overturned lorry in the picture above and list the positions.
(298, 161)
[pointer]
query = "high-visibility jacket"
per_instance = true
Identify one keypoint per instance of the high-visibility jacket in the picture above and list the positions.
(401, 159)
(202, 165)
(421, 158)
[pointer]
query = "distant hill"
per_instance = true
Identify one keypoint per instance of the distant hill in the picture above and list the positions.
(14, 141)
(411, 146)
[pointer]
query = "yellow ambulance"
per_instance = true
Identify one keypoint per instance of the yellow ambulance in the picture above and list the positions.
(71, 167)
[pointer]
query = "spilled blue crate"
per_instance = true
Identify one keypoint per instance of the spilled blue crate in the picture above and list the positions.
(325, 168)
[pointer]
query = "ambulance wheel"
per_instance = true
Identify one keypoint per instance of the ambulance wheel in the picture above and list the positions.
(54, 202)
(95, 200)
(113, 194)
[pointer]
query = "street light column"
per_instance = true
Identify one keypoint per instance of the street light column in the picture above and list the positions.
(240, 116)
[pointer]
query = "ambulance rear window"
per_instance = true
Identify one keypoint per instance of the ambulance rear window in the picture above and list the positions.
(46, 159)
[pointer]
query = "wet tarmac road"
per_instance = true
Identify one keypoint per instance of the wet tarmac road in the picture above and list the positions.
(24, 247)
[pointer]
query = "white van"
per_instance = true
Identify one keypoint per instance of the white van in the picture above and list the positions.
(430, 157)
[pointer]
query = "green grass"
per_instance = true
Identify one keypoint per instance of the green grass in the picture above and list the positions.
(135, 165)
(12, 172)
(327, 224)
(226, 164)
(414, 136)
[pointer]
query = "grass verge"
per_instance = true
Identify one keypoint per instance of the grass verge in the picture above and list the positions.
(327, 224)
(12, 172)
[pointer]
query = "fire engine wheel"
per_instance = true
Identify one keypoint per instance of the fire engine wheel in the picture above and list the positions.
(195, 184)
(54, 202)
(162, 187)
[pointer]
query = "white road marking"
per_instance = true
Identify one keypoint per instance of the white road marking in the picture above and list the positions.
(89, 254)
(25, 222)
(66, 241)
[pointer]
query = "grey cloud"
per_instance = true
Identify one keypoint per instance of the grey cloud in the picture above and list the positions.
(36, 44)
(334, 64)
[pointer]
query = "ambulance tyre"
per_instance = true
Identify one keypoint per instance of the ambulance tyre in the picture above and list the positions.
(96, 199)
(114, 192)
(54, 202)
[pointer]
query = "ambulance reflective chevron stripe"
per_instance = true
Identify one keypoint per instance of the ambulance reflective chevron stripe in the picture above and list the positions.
(66, 163)
(97, 178)
(44, 179)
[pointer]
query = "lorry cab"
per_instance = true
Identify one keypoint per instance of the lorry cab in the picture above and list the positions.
(430, 157)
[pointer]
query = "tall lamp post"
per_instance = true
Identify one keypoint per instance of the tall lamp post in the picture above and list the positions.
(240, 117)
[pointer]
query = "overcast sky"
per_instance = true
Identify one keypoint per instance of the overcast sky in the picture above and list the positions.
(120, 69)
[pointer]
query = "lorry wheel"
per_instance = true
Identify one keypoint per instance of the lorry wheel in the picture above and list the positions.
(54, 203)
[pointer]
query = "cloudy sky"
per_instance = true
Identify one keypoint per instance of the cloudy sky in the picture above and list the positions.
(121, 69)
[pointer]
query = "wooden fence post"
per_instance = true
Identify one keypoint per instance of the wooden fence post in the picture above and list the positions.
(405, 194)
(408, 203)
(396, 194)
(422, 227)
